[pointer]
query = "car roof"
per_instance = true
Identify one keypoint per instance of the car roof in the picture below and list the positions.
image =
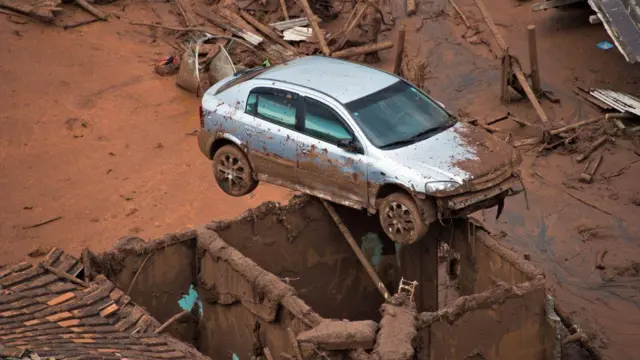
(343, 80)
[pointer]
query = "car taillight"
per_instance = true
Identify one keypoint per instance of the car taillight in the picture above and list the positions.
(201, 116)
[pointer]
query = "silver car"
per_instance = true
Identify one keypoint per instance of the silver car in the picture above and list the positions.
(356, 136)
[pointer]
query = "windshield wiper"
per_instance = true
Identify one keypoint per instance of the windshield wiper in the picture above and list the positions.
(417, 136)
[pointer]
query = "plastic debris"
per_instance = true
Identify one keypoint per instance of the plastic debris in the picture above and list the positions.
(605, 45)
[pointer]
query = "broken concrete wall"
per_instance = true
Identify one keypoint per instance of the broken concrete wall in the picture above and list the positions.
(300, 241)
(156, 275)
(505, 323)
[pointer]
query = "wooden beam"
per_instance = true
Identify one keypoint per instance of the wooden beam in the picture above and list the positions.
(400, 39)
(365, 49)
(316, 29)
(285, 13)
(356, 249)
(412, 8)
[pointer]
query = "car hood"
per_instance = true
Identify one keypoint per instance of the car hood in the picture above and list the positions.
(459, 154)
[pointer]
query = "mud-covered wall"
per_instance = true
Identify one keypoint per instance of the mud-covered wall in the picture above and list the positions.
(156, 275)
(505, 323)
(245, 308)
(301, 242)
(484, 262)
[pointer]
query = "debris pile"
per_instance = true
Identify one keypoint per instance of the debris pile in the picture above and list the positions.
(222, 39)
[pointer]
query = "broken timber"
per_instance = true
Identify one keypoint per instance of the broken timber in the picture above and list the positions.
(266, 31)
(522, 79)
(316, 29)
(397, 61)
(91, 10)
(365, 49)
(352, 242)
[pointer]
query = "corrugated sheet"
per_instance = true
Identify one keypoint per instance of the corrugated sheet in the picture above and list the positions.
(49, 315)
(620, 101)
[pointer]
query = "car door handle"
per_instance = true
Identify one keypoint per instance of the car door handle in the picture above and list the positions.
(305, 151)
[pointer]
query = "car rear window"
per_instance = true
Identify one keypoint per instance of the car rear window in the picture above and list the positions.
(242, 77)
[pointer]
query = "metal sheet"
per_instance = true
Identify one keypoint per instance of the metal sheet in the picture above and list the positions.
(621, 20)
(620, 101)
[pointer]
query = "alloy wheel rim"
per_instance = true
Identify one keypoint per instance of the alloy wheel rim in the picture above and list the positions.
(232, 173)
(398, 220)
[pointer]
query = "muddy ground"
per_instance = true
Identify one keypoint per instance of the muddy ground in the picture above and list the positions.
(89, 133)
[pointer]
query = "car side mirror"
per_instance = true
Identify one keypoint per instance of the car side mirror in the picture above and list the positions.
(349, 145)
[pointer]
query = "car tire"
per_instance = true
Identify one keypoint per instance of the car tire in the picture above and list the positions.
(400, 218)
(233, 172)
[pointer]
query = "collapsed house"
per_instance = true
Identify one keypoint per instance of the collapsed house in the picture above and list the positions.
(279, 281)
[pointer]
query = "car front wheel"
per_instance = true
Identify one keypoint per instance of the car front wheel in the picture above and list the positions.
(233, 172)
(400, 218)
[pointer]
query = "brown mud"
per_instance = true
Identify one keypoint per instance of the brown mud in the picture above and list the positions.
(83, 115)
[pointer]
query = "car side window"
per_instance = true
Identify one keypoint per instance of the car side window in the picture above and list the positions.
(273, 106)
(323, 123)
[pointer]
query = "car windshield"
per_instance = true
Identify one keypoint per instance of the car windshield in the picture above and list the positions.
(398, 115)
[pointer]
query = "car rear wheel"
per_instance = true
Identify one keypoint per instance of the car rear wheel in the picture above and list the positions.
(233, 172)
(400, 218)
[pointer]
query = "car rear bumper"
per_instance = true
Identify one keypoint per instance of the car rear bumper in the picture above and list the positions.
(205, 140)
(467, 203)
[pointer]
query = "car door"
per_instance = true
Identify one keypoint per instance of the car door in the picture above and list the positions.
(331, 160)
(272, 137)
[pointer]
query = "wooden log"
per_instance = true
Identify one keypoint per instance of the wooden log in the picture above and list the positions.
(592, 148)
(531, 95)
(316, 29)
(92, 10)
(411, 7)
(491, 25)
(576, 125)
(365, 49)
(397, 61)
(356, 249)
(533, 58)
(590, 170)
(170, 321)
(63, 275)
(459, 11)
(505, 60)
(264, 29)
(285, 13)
